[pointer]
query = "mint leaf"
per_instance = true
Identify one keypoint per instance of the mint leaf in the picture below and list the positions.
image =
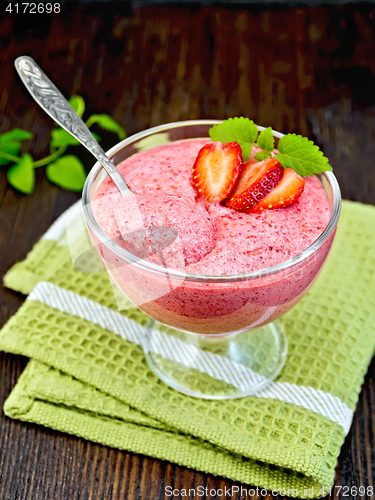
(241, 130)
(302, 155)
(17, 134)
(67, 172)
(107, 123)
(78, 104)
(22, 175)
(61, 137)
(262, 155)
(10, 143)
(266, 140)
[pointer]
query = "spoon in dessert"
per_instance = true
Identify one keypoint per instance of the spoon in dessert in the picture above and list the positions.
(141, 238)
(49, 98)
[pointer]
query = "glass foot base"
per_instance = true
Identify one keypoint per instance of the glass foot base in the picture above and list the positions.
(216, 367)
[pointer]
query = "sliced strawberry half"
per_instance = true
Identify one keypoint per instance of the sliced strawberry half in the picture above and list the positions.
(216, 169)
(287, 191)
(256, 181)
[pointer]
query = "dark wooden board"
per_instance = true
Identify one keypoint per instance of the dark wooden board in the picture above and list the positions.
(309, 70)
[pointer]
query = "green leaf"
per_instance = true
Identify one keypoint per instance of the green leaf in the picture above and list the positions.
(67, 172)
(266, 140)
(262, 155)
(296, 152)
(17, 134)
(10, 143)
(241, 130)
(107, 123)
(22, 175)
(78, 104)
(61, 137)
(301, 155)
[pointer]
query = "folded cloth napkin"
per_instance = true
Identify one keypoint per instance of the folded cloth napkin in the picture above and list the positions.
(88, 375)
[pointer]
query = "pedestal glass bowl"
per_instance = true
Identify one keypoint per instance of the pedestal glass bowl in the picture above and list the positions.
(214, 337)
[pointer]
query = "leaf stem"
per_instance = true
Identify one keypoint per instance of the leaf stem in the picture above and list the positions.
(49, 158)
(9, 157)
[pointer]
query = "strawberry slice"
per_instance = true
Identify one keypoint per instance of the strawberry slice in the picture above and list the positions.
(256, 181)
(287, 191)
(216, 169)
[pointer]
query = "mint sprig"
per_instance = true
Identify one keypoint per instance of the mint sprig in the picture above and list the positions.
(67, 171)
(294, 151)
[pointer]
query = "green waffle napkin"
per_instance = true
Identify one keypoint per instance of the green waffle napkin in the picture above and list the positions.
(86, 379)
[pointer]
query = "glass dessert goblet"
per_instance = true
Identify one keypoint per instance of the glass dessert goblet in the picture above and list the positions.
(209, 336)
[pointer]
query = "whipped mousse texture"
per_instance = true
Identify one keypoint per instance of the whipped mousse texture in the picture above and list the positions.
(215, 240)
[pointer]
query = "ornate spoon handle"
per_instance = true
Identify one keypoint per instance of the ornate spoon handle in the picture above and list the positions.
(57, 107)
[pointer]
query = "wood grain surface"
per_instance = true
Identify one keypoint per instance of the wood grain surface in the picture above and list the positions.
(309, 70)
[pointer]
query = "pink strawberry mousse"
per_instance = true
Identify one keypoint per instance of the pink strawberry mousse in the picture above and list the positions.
(213, 240)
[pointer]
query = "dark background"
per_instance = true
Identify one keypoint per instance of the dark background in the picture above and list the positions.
(297, 68)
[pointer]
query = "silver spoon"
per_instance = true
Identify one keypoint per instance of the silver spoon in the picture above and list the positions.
(57, 107)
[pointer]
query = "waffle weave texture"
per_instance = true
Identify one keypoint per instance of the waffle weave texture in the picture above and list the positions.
(85, 380)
